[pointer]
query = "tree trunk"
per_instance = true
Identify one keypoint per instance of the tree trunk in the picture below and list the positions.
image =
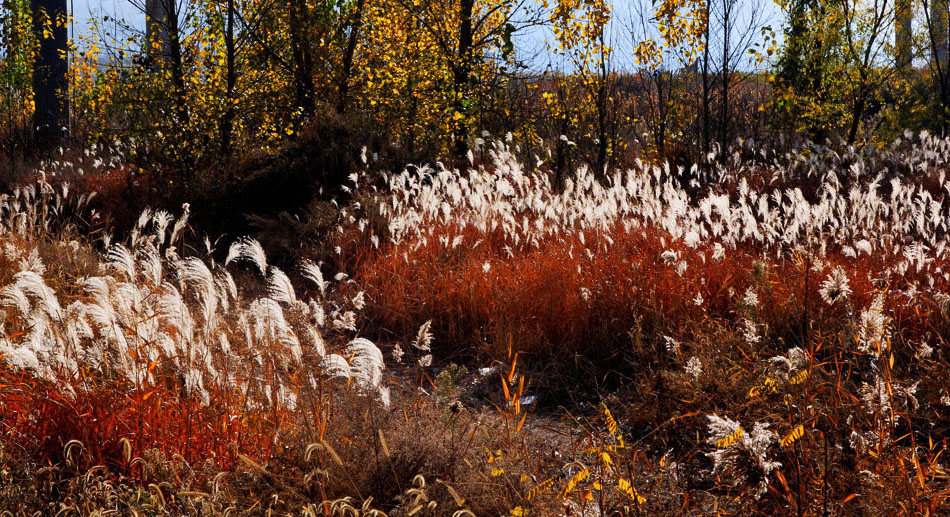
(347, 70)
(706, 91)
(602, 113)
(937, 38)
(227, 120)
(304, 90)
(177, 64)
(50, 83)
(856, 114)
(725, 77)
(461, 73)
(903, 33)
(659, 138)
(940, 32)
(156, 33)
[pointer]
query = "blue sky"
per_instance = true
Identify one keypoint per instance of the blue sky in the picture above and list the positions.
(84, 9)
(530, 43)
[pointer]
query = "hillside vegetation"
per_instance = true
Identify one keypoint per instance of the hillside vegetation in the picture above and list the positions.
(760, 336)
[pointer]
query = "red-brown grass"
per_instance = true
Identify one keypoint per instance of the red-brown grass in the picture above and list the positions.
(41, 418)
(556, 303)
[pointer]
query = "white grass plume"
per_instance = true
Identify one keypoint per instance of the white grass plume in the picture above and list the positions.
(311, 271)
(248, 249)
(423, 339)
(366, 363)
(280, 288)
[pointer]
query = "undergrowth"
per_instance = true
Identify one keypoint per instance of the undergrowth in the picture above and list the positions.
(762, 338)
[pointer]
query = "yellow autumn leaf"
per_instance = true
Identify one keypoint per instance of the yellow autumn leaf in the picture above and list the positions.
(793, 436)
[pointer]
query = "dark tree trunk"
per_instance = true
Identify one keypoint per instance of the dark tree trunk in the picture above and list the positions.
(602, 114)
(304, 89)
(706, 92)
(659, 138)
(156, 33)
(227, 121)
(941, 32)
(725, 77)
(856, 114)
(461, 73)
(413, 110)
(937, 39)
(176, 62)
(50, 83)
(347, 70)
(903, 33)
(857, 109)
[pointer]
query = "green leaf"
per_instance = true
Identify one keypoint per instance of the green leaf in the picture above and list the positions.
(507, 45)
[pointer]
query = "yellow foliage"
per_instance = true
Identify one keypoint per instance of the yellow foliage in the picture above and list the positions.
(793, 436)
(729, 440)
(631, 492)
(572, 483)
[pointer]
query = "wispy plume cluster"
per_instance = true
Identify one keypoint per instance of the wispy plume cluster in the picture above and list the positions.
(872, 328)
(863, 209)
(742, 456)
(152, 315)
(836, 287)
